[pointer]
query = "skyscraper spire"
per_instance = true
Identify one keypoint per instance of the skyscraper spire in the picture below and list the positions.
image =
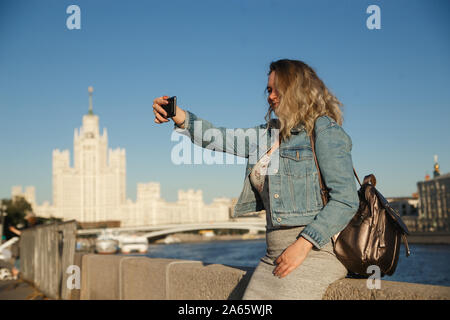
(90, 90)
(436, 172)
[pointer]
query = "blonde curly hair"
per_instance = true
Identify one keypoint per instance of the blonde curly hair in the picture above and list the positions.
(303, 97)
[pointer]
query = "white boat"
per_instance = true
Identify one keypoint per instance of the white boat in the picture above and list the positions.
(82, 245)
(5, 251)
(106, 243)
(171, 239)
(133, 243)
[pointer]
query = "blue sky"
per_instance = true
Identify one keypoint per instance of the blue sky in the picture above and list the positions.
(214, 56)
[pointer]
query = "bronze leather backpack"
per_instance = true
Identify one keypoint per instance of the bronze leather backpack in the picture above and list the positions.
(373, 235)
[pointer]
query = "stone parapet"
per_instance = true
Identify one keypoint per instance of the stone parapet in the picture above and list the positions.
(119, 277)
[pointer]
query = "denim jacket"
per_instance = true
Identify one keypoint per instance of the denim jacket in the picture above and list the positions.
(294, 188)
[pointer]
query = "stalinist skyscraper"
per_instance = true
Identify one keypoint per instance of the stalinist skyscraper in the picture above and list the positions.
(95, 187)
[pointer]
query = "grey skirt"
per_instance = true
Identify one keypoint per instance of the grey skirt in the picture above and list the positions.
(308, 281)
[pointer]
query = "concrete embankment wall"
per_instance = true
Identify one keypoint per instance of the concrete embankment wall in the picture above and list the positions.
(429, 238)
(130, 277)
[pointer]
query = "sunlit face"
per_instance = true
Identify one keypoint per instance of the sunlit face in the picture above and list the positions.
(273, 97)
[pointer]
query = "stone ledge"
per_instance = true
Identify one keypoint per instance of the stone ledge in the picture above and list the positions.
(140, 278)
(356, 289)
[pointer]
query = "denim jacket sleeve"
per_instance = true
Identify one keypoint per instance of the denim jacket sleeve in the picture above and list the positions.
(238, 141)
(333, 151)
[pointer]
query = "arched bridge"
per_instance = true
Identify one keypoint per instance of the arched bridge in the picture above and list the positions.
(160, 230)
(209, 226)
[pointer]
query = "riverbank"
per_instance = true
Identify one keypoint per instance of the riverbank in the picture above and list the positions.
(429, 238)
(413, 238)
(195, 238)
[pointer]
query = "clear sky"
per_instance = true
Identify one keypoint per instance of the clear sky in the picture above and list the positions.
(214, 56)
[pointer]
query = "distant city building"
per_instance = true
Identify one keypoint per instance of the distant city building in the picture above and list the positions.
(434, 202)
(407, 207)
(29, 194)
(94, 189)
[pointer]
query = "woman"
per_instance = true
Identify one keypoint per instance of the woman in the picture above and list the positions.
(299, 262)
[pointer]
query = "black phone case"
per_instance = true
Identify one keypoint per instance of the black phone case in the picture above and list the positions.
(170, 108)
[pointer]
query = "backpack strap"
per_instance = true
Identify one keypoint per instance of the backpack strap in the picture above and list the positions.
(357, 178)
(405, 242)
(370, 179)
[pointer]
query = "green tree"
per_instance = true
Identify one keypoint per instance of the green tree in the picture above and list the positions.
(16, 210)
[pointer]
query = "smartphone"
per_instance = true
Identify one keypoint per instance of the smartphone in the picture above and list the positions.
(170, 108)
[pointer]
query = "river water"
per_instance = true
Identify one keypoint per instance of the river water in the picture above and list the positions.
(427, 264)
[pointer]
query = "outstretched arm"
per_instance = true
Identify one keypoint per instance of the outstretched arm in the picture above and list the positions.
(237, 141)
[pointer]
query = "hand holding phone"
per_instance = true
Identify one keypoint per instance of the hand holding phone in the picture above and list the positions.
(166, 108)
(170, 108)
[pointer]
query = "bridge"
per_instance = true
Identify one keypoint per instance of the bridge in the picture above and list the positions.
(252, 225)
